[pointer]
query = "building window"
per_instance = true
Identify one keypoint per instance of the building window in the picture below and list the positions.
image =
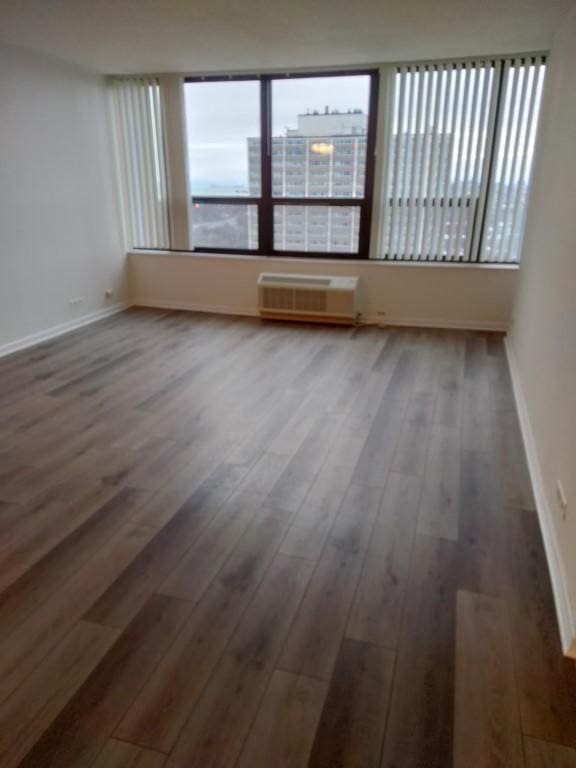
(272, 158)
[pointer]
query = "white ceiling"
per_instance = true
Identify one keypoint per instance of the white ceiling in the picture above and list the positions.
(128, 36)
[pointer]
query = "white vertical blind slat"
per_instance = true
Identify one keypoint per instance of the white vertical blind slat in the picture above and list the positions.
(460, 138)
(434, 104)
(416, 164)
(142, 126)
(160, 160)
(394, 155)
(419, 132)
(135, 167)
(124, 162)
(406, 150)
(436, 214)
(443, 242)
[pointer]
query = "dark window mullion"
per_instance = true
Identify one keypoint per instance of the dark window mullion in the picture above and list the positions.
(315, 201)
(265, 210)
(366, 214)
(237, 200)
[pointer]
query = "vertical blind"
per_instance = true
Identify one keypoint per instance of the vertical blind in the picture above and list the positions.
(458, 159)
(139, 130)
(523, 81)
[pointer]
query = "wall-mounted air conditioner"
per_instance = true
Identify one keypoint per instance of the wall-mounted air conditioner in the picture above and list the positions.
(308, 297)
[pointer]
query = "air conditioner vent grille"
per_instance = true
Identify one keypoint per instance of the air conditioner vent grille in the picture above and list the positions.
(277, 298)
(310, 301)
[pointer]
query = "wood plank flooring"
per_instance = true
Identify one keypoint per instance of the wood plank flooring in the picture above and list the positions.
(230, 544)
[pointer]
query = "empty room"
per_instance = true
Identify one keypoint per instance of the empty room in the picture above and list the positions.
(287, 384)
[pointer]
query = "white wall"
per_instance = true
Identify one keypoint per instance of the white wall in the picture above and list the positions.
(435, 295)
(59, 225)
(543, 336)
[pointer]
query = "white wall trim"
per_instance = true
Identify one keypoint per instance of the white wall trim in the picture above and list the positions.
(566, 620)
(451, 325)
(60, 330)
(412, 322)
(343, 262)
(212, 309)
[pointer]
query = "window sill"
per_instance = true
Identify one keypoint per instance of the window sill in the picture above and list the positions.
(321, 261)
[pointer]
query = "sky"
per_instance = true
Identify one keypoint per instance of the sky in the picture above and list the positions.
(221, 116)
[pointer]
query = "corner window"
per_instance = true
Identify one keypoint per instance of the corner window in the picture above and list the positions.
(285, 164)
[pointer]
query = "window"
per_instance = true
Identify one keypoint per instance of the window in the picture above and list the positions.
(225, 226)
(223, 146)
(272, 159)
(324, 123)
(284, 164)
(459, 158)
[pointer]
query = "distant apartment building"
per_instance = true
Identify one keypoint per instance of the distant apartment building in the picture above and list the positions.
(325, 156)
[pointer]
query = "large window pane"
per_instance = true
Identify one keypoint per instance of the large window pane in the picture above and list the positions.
(225, 226)
(319, 134)
(223, 134)
(316, 228)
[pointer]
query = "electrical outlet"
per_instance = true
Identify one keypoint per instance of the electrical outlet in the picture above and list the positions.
(562, 499)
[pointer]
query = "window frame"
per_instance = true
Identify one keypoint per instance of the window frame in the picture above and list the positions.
(266, 202)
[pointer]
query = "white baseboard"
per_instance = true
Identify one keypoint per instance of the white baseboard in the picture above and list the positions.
(383, 320)
(59, 330)
(212, 309)
(422, 322)
(566, 621)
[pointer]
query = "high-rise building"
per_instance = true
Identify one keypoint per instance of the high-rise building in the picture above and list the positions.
(325, 156)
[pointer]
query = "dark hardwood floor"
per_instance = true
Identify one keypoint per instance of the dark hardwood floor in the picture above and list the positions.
(232, 544)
